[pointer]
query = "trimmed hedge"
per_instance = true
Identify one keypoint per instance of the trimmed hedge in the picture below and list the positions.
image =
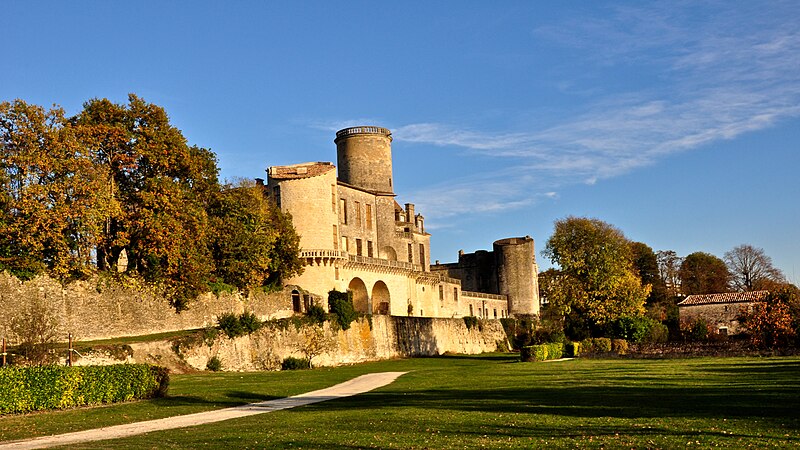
(28, 389)
(292, 363)
(542, 352)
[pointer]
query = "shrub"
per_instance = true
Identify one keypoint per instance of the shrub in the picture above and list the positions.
(214, 364)
(218, 287)
(249, 322)
(541, 352)
(572, 349)
(619, 346)
(341, 305)
(317, 314)
(51, 387)
(596, 345)
(230, 325)
(292, 363)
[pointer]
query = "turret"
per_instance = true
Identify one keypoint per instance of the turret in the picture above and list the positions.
(364, 158)
(517, 274)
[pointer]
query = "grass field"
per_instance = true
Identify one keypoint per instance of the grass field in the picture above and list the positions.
(487, 401)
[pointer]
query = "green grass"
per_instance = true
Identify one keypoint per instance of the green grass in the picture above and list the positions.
(490, 400)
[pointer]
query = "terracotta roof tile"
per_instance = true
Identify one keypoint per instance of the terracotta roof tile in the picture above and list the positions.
(728, 297)
(297, 171)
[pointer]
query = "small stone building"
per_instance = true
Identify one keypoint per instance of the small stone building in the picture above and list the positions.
(719, 310)
(355, 236)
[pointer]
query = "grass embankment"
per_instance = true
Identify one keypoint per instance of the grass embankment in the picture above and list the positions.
(489, 401)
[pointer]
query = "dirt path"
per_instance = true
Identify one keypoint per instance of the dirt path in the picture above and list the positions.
(358, 385)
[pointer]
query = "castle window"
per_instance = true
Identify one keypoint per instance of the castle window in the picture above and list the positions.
(410, 253)
(495, 313)
(422, 254)
(335, 238)
(471, 312)
(369, 249)
(358, 214)
(369, 216)
(455, 298)
(441, 293)
(296, 306)
(358, 247)
(343, 210)
(333, 197)
(277, 191)
(344, 244)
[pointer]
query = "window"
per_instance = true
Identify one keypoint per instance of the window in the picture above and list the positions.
(358, 214)
(369, 216)
(344, 244)
(410, 253)
(358, 247)
(369, 249)
(495, 313)
(471, 312)
(422, 254)
(455, 296)
(335, 238)
(296, 307)
(277, 191)
(441, 292)
(343, 210)
(333, 197)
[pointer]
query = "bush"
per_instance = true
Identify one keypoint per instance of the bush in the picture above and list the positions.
(619, 346)
(292, 363)
(229, 324)
(572, 349)
(341, 305)
(214, 364)
(28, 389)
(596, 345)
(471, 322)
(639, 329)
(542, 352)
(249, 322)
(317, 314)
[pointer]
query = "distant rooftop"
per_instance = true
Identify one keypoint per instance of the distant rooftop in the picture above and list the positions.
(728, 297)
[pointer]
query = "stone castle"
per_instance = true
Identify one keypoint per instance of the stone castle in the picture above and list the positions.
(355, 236)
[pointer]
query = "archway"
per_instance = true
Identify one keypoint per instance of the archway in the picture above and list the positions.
(380, 298)
(388, 253)
(360, 297)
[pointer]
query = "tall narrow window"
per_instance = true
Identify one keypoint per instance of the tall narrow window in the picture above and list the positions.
(333, 197)
(277, 191)
(343, 210)
(471, 311)
(369, 249)
(344, 244)
(410, 253)
(369, 216)
(422, 254)
(335, 238)
(358, 247)
(441, 292)
(455, 296)
(358, 214)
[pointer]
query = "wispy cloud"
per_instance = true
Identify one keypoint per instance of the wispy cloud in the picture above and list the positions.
(737, 71)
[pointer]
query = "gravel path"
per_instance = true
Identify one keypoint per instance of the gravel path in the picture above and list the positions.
(358, 385)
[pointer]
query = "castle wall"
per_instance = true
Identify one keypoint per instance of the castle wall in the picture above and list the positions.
(313, 207)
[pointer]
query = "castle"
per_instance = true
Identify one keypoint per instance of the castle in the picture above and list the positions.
(355, 236)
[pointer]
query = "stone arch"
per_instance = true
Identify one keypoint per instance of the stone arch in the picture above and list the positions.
(389, 253)
(360, 296)
(296, 305)
(380, 298)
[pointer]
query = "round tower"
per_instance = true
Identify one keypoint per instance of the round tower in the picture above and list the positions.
(364, 157)
(517, 274)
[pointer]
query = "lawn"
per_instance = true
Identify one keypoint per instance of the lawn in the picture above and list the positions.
(473, 401)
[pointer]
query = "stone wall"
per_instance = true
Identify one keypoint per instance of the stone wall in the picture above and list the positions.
(97, 310)
(387, 337)
(718, 315)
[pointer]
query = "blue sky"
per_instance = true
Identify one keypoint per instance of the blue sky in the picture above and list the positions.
(678, 122)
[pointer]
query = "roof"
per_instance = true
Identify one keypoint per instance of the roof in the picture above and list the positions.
(728, 297)
(297, 171)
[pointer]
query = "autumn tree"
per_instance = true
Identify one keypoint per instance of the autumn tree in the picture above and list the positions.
(252, 242)
(751, 269)
(669, 264)
(596, 278)
(703, 273)
(775, 322)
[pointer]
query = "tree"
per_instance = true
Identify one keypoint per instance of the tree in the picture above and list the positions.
(646, 264)
(703, 273)
(596, 277)
(252, 242)
(751, 269)
(669, 264)
(774, 322)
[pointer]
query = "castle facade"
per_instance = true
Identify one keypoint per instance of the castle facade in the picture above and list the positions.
(355, 236)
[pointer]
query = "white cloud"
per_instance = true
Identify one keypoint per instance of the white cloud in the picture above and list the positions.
(737, 71)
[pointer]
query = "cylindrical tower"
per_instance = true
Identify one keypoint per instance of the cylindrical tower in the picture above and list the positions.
(517, 274)
(364, 157)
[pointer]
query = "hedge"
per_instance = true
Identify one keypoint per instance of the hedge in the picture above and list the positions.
(542, 352)
(28, 389)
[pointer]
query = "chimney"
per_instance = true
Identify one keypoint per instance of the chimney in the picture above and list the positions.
(410, 212)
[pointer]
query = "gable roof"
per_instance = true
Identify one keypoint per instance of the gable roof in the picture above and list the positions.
(727, 297)
(297, 171)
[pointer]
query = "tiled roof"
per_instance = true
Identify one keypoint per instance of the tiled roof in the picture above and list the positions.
(728, 297)
(297, 171)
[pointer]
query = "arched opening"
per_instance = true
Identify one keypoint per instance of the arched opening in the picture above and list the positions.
(360, 297)
(388, 253)
(380, 298)
(296, 306)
